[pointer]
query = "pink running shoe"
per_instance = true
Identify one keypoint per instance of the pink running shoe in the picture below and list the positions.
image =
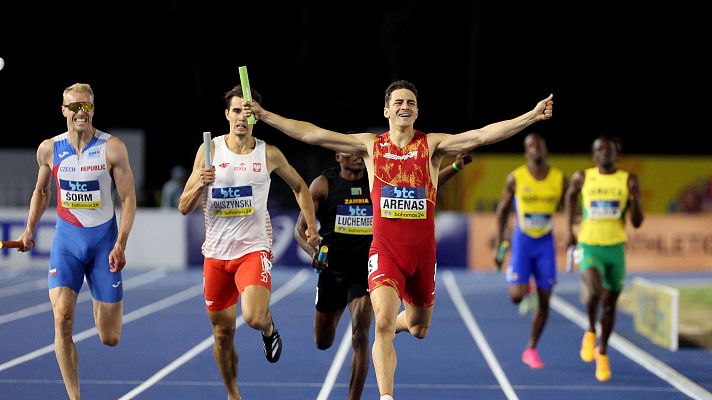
(531, 358)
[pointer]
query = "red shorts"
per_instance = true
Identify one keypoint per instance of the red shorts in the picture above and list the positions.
(409, 269)
(223, 280)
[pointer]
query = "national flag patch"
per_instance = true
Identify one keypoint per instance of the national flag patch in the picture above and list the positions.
(53, 272)
(356, 191)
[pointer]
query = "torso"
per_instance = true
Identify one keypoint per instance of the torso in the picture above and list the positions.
(235, 205)
(83, 181)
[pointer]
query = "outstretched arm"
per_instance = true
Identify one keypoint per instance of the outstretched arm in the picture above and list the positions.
(199, 178)
(571, 206)
(492, 133)
(40, 196)
(636, 210)
(278, 163)
(309, 133)
(504, 207)
(118, 157)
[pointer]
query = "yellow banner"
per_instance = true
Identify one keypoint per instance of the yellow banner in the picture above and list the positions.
(662, 178)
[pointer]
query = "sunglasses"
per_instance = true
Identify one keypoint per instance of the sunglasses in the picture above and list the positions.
(80, 105)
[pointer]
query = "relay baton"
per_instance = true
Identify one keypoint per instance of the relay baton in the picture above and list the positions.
(10, 244)
(570, 258)
(322, 254)
(502, 252)
(246, 92)
(206, 146)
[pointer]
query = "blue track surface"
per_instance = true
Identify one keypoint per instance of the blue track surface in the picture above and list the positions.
(166, 349)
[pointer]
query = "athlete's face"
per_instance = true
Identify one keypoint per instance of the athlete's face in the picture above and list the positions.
(402, 109)
(604, 153)
(535, 149)
(238, 122)
(80, 120)
(350, 162)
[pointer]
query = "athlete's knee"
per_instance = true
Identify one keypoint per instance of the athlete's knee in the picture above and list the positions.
(385, 327)
(359, 339)
(420, 331)
(323, 342)
(254, 319)
(110, 339)
(63, 323)
(224, 337)
(516, 299)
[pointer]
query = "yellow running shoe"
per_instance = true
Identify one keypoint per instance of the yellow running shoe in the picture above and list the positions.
(603, 367)
(587, 344)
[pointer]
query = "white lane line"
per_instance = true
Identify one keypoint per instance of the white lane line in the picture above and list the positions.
(630, 350)
(467, 317)
(130, 317)
(278, 295)
(131, 283)
(23, 287)
(336, 365)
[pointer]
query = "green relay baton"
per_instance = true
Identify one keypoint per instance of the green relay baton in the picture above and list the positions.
(246, 91)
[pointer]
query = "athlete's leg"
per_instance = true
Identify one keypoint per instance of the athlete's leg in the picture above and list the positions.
(608, 317)
(325, 328)
(417, 319)
(361, 316)
(540, 318)
(64, 301)
(223, 324)
(108, 320)
(255, 309)
(386, 304)
(592, 279)
(517, 291)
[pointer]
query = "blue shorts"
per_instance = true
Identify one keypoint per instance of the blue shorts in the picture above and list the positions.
(78, 252)
(532, 256)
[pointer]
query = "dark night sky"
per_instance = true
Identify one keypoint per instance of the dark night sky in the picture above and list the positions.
(164, 66)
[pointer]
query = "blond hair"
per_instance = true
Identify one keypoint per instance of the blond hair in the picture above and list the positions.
(79, 88)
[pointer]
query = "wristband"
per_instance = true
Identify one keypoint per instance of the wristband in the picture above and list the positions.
(456, 168)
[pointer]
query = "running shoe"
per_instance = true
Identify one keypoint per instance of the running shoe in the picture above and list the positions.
(603, 367)
(531, 358)
(272, 345)
(587, 344)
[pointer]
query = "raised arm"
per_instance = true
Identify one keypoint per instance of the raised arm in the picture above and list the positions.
(636, 210)
(571, 206)
(199, 178)
(492, 133)
(278, 163)
(41, 195)
(118, 158)
(504, 207)
(307, 132)
(319, 189)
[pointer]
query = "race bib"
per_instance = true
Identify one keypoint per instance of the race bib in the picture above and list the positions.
(80, 194)
(537, 222)
(354, 219)
(403, 202)
(233, 201)
(604, 209)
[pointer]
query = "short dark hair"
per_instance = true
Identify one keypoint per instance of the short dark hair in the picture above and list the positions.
(400, 85)
(617, 142)
(237, 91)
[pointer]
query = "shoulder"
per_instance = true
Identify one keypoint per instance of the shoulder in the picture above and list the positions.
(45, 150)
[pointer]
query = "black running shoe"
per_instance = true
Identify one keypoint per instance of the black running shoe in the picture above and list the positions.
(272, 345)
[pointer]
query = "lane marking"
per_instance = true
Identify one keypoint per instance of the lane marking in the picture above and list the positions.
(471, 324)
(336, 365)
(278, 295)
(633, 352)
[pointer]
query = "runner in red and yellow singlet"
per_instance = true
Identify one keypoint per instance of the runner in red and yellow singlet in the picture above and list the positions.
(402, 253)
(402, 167)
